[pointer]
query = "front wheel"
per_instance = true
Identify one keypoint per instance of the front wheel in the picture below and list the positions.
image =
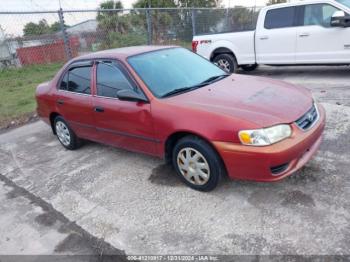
(197, 163)
(226, 62)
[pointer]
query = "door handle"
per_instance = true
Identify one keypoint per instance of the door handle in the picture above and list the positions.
(304, 35)
(60, 102)
(265, 37)
(99, 109)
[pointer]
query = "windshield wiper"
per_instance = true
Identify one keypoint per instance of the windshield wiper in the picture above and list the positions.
(190, 88)
(213, 79)
(178, 91)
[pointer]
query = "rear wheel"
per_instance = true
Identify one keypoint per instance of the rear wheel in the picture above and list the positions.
(65, 134)
(249, 68)
(226, 62)
(197, 163)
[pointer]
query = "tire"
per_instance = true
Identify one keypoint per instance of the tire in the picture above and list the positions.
(226, 62)
(205, 169)
(249, 68)
(65, 134)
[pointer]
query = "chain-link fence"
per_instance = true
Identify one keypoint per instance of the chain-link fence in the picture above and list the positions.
(28, 38)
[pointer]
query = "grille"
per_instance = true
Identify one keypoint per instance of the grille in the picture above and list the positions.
(308, 119)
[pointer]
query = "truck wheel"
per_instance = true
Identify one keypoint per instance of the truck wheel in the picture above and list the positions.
(226, 62)
(249, 68)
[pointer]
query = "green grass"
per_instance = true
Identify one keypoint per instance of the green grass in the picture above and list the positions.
(17, 90)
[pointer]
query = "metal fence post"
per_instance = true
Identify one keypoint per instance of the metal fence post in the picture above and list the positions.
(65, 35)
(193, 22)
(226, 20)
(149, 26)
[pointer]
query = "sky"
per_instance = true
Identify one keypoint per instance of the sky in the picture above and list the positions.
(40, 5)
(12, 24)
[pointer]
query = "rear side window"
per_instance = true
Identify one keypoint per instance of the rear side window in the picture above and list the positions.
(64, 82)
(110, 79)
(280, 18)
(77, 80)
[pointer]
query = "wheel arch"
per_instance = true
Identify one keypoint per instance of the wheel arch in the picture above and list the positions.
(221, 50)
(52, 117)
(173, 138)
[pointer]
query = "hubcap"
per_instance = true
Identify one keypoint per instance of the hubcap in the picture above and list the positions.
(224, 64)
(63, 133)
(193, 166)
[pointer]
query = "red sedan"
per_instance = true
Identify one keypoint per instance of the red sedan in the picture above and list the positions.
(173, 104)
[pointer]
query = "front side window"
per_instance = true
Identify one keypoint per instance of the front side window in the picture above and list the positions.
(110, 79)
(280, 18)
(77, 80)
(174, 69)
(319, 14)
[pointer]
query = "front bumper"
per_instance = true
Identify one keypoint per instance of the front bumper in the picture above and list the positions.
(255, 163)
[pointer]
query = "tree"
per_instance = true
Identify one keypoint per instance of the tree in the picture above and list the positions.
(241, 18)
(206, 20)
(111, 20)
(55, 27)
(199, 3)
(118, 29)
(162, 20)
(273, 2)
(42, 27)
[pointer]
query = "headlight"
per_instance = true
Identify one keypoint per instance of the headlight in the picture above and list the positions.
(265, 136)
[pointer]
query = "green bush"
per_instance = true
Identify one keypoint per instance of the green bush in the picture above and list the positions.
(115, 39)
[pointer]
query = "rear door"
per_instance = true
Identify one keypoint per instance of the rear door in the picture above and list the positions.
(74, 99)
(317, 41)
(276, 36)
(122, 123)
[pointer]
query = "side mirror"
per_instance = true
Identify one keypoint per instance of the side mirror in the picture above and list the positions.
(340, 19)
(131, 95)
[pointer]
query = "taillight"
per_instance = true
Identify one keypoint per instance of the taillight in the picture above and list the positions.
(194, 46)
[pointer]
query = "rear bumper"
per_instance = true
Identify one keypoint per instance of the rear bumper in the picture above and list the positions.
(256, 163)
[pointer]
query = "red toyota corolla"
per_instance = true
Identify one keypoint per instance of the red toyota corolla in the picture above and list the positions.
(173, 104)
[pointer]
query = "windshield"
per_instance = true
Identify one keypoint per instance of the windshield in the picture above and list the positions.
(344, 2)
(175, 69)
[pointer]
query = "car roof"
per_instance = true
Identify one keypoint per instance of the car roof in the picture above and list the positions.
(297, 3)
(122, 53)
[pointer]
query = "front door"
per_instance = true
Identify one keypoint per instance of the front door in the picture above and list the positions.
(121, 123)
(317, 41)
(275, 38)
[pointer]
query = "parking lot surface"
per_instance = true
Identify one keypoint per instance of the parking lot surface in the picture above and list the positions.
(137, 204)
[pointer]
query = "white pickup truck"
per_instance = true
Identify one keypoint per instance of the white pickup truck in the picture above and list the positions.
(301, 33)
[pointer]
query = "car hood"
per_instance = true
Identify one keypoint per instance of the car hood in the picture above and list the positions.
(262, 101)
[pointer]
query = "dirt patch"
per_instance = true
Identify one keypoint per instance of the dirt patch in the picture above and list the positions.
(73, 243)
(165, 175)
(263, 197)
(46, 219)
(296, 198)
(307, 174)
(8, 124)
